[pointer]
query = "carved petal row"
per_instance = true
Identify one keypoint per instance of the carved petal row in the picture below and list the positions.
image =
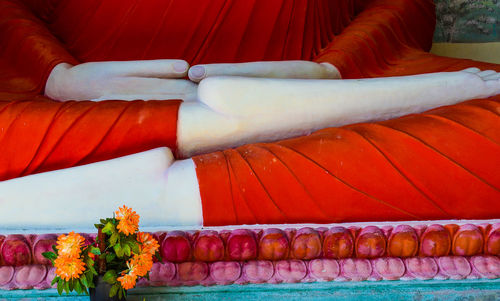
(284, 271)
(305, 243)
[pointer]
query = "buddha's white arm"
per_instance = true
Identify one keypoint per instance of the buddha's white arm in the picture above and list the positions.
(163, 191)
(240, 110)
(125, 80)
(268, 69)
(162, 79)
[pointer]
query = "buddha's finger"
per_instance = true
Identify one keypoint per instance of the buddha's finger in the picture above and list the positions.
(281, 69)
(146, 68)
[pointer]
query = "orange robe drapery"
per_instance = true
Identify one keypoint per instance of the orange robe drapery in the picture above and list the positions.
(40, 135)
(435, 165)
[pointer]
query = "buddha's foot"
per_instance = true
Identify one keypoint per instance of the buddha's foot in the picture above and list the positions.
(490, 80)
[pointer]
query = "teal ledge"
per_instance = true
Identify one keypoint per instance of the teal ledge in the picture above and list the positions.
(422, 290)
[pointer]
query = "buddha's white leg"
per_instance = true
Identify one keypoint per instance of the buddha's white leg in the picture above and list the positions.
(239, 110)
(162, 191)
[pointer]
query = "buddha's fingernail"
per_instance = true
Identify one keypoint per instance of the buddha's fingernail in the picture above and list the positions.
(180, 66)
(197, 71)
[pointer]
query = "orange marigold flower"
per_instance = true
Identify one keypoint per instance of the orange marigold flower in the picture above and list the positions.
(70, 245)
(69, 268)
(149, 245)
(127, 280)
(129, 220)
(140, 264)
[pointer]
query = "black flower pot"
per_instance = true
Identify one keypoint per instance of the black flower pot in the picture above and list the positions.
(101, 291)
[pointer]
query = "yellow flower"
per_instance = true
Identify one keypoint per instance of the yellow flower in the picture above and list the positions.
(149, 245)
(129, 220)
(70, 245)
(127, 280)
(69, 268)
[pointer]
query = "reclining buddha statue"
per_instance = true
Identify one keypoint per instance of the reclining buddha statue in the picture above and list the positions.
(212, 113)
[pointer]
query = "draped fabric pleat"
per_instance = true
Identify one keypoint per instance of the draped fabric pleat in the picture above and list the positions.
(199, 31)
(441, 164)
(40, 135)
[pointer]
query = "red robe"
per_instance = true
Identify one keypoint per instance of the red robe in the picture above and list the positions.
(436, 165)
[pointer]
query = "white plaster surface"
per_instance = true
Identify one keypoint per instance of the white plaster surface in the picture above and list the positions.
(77, 197)
(247, 110)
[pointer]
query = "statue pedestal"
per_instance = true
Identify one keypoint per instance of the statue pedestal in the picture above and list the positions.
(381, 290)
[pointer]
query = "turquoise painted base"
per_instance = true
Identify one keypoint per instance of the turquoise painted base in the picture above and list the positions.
(367, 291)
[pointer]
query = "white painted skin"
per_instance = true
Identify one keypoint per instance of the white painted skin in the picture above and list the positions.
(240, 110)
(272, 69)
(124, 80)
(230, 111)
(163, 79)
(162, 191)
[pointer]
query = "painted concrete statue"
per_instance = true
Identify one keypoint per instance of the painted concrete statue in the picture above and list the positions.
(414, 168)
(220, 113)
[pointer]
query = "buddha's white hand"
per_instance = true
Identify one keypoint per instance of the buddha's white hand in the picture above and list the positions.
(277, 69)
(125, 80)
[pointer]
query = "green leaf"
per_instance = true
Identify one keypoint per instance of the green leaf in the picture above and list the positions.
(78, 286)
(90, 279)
(135, 247)
(95, 251)
(55, 249)
(54, 281)
(110, 257)
(91, 268)
(118, 250)
(84, 281)
(114, 289)
(158, 257)
(60, 286)
(126, 249)
(103, 221)
(120, 293)
(113, 239)
(50, 255)
(90, 262)
(71, 284)
(66, 287)
(110, 277)
(109, 228)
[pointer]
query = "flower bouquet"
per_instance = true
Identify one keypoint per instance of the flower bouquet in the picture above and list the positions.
(118, 257)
